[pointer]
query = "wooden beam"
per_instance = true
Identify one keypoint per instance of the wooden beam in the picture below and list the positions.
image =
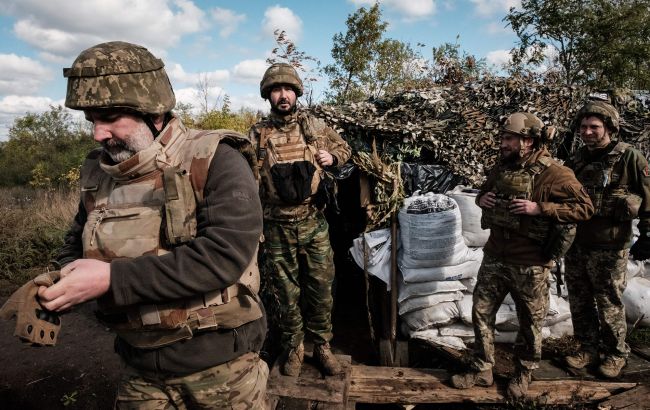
(633, 399)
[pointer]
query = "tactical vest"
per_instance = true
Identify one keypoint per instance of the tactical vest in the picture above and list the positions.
(145, 206)
(610, 198)
(289, 172)
(517, 184)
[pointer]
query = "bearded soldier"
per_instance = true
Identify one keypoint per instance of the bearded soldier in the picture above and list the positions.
(165, 239)
(295, 151)
(617, 179)
(530, 202)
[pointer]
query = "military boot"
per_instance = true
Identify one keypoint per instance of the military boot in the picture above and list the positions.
(582, 359)
(328, 362)
(518, 386)
(470, 379)
(293, 363)
(612, 365)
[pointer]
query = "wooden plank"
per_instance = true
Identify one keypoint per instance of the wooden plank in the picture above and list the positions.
(636, 398)
(547, 371)
(311, 384)
(642, 351)
(404, 385)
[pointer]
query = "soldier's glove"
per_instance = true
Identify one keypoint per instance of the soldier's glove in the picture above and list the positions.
(641, 249)
(34, 324)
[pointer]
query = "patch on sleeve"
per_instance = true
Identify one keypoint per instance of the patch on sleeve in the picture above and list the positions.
(241, 195)
(646, 171)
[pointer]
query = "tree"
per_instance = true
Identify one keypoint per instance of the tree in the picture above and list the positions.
(43, 149)
(603, 43)
(354, 52)
(450, 66)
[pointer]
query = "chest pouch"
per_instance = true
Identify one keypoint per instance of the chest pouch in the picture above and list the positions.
(180, 206)
(293, 181)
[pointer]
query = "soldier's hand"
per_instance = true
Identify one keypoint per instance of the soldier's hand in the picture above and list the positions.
(524, 207)
(324, 158)
(81, 280)
(640, 251)
(487, 200)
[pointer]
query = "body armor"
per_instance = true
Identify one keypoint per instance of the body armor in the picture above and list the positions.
(610, 199)
(145, 206)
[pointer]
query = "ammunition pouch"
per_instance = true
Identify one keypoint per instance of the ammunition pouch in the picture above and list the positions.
(152, 326)
(180, 206)
(627, 207)
(293, 181)
(559, 240)
(535, 228)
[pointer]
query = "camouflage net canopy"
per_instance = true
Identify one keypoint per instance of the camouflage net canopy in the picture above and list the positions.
(458, 127)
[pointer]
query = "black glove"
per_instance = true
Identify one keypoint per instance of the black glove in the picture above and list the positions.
(641, 249)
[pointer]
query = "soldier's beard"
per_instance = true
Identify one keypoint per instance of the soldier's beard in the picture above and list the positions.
(120, 150)
(275, 108)
(509, 156)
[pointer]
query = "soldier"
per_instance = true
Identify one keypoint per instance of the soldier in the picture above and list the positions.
(617, 179)
(164, 239)
(530, 202)
(294, 152)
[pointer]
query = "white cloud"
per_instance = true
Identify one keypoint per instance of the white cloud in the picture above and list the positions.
(249, 71)
(498, 58)
(13, 106)
(488, 8)
(177, 74)
(64, 27)
(282, 18)
(409, 10)
(228, 20)
(21, 75)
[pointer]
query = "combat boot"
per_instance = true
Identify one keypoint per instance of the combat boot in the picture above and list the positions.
(612, 365)
(581, 359)
(518, 386)
(293, 363)
(470, 379)
(328, 362)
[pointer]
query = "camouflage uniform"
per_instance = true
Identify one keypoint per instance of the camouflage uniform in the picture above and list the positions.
(516, 263)
(596, 265)
(179, 222)
(296, 231)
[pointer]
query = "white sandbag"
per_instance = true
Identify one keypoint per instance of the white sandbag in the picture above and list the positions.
(563, 312)
(508, 300)
(470, 283)
(469, 268)
(438, 315)
(636, 299)
(433, 238)
(457, 329)
(563, 328)
(506, 318)
(470, 216)
(431, 336)
(409, 290)
(634, 269)
(511, 336)
(378, 248)
(421, 302)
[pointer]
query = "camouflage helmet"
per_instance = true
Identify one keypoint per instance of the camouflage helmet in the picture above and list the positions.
(601, 109)
(119, 75)
(523, 124)
(280, 73)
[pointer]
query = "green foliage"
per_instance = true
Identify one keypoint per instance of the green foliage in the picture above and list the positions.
(43, 148)
(451, 65)
(600, 43)
(239, 121)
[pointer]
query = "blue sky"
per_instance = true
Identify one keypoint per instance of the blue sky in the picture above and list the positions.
(224, 43)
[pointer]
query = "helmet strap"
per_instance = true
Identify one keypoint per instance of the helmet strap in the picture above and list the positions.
(149, 121)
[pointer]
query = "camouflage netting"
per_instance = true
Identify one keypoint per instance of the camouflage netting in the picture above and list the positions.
(458, 126)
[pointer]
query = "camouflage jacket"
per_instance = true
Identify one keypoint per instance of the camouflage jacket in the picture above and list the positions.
(561, 198)
(296, 129)
(228, 227)
(629, 173)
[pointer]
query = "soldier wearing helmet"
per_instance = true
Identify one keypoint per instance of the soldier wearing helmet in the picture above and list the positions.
(530, 203)
(617, 179)
(165, 239)
(296, 153)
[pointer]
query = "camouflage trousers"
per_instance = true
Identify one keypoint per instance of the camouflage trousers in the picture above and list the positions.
(595, 279)
(528, 286)
(303, 277)
(238, 384)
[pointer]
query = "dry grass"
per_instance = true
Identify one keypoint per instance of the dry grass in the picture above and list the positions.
(32, 226)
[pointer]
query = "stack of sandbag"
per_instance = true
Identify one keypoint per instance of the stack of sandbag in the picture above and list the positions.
(636, 296)
(372, 250)
(434, 262)
(470, 214)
